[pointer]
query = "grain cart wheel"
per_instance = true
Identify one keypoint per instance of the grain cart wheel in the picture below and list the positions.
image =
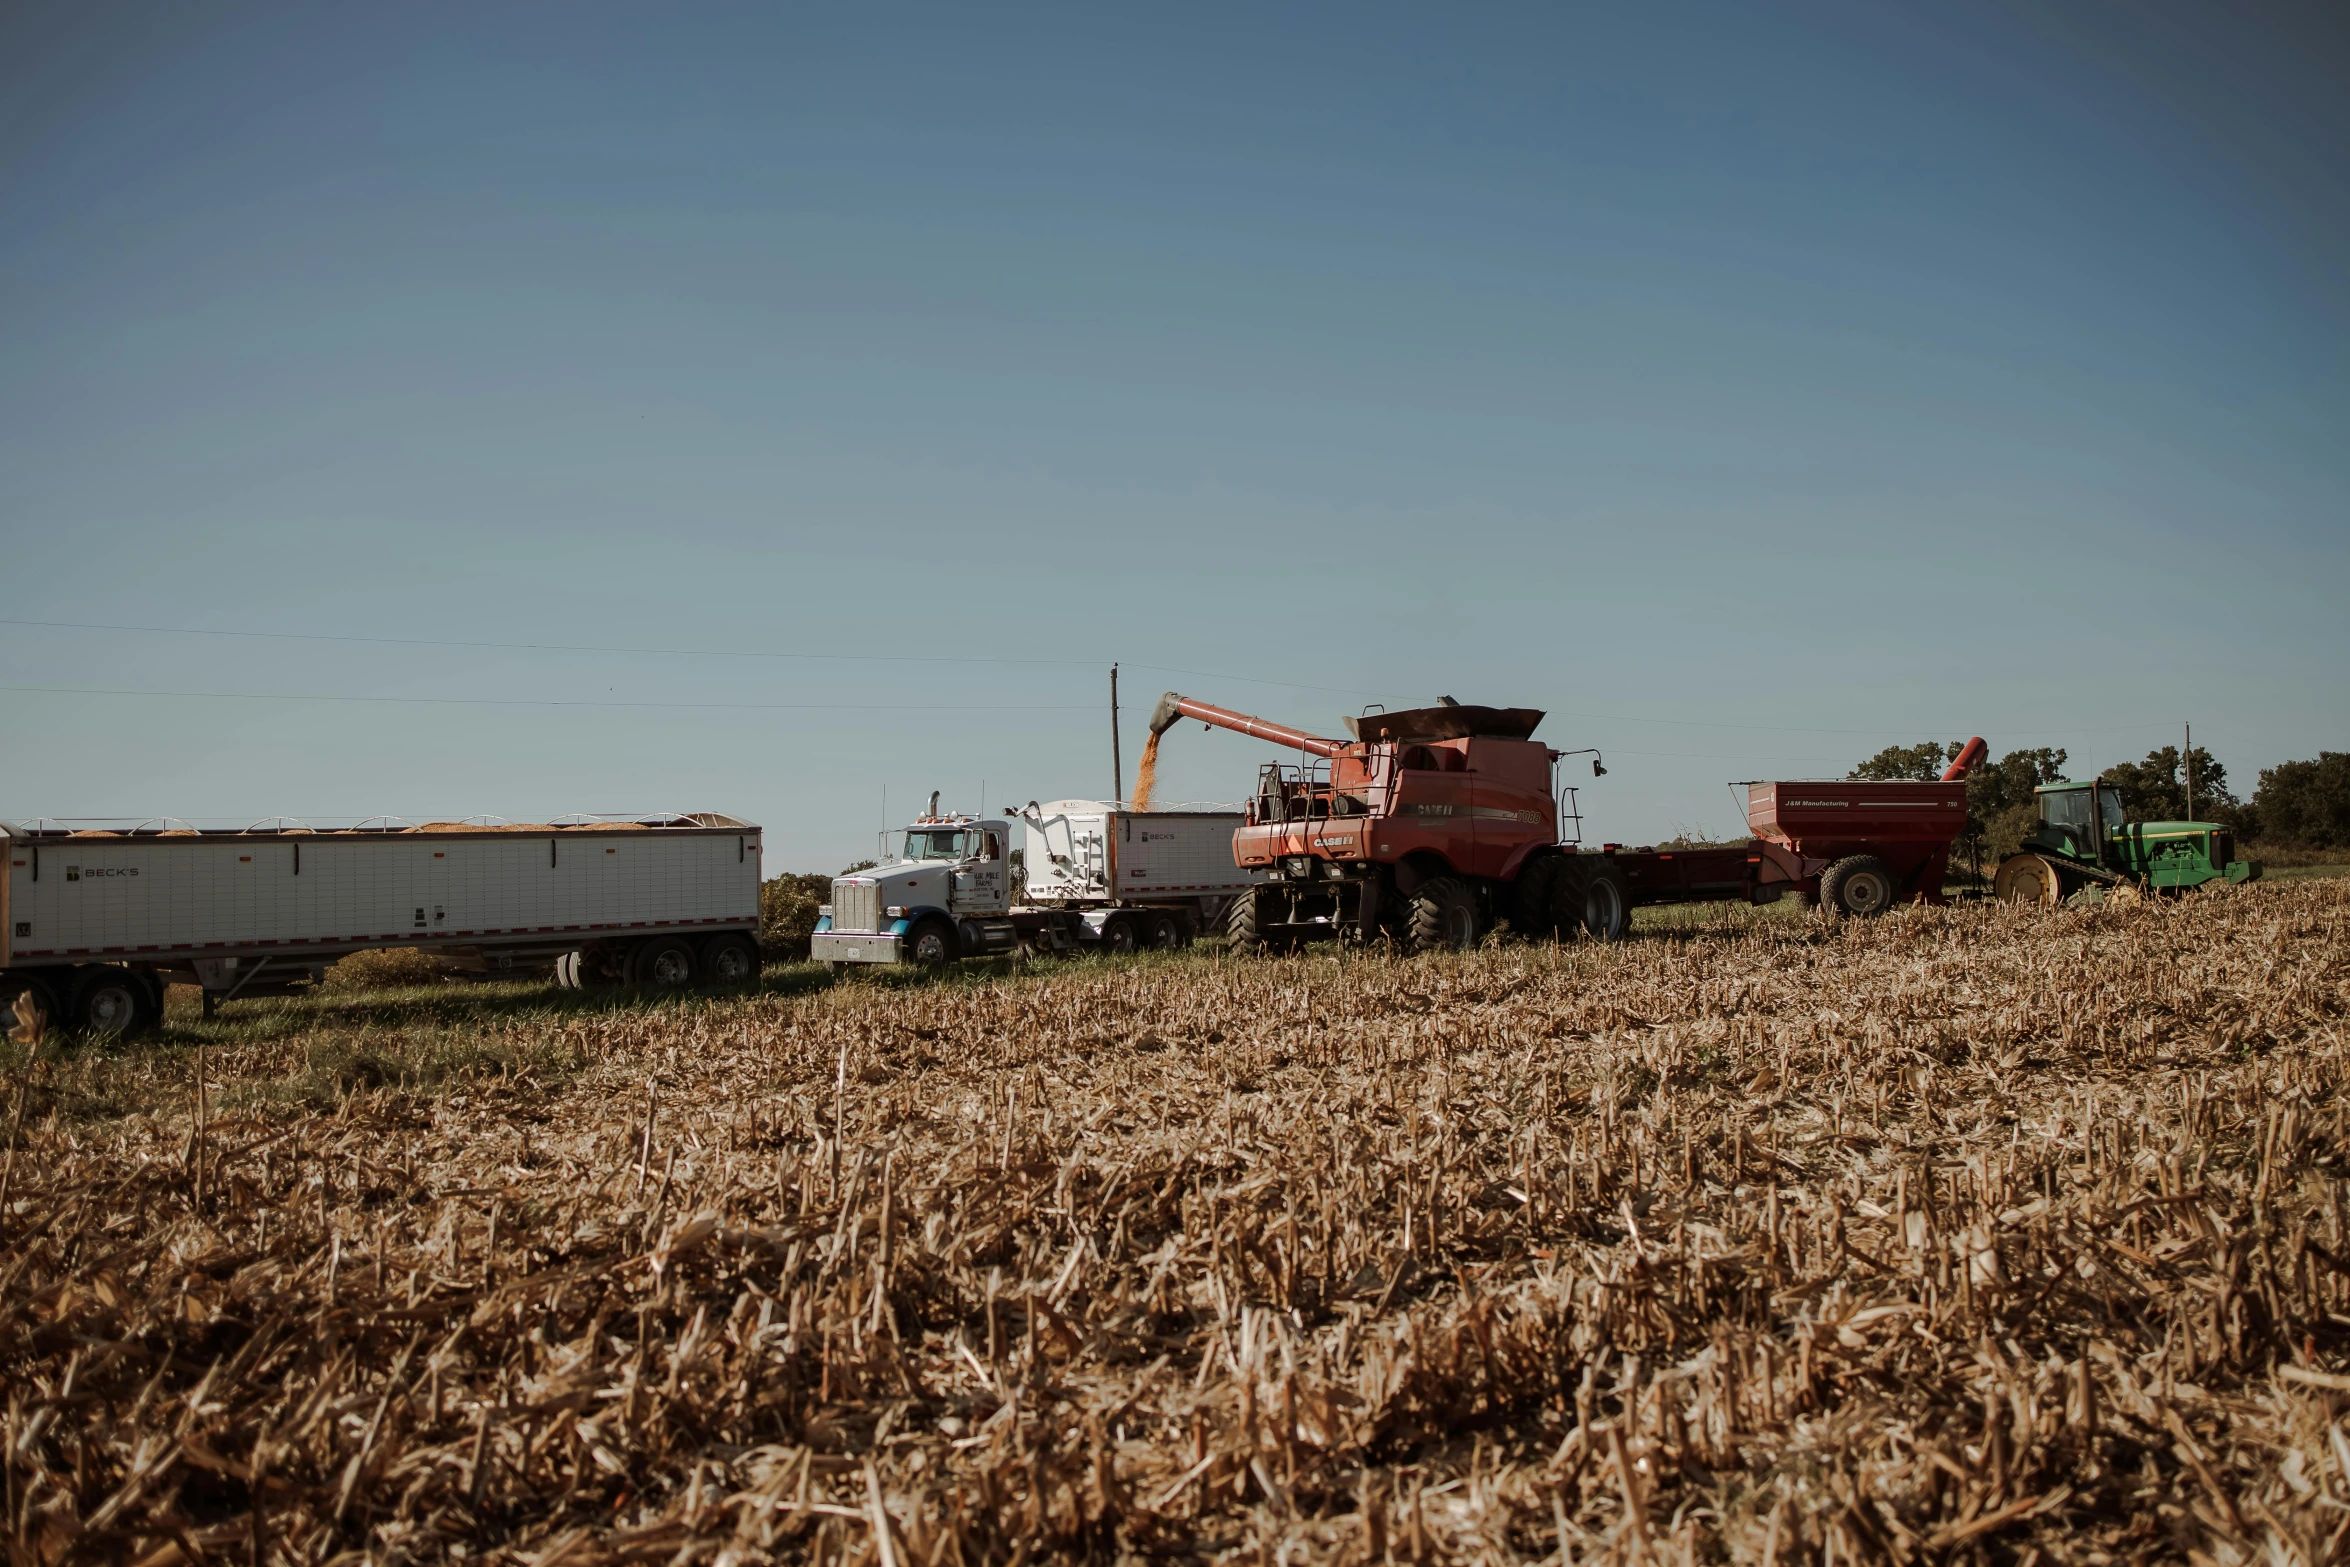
(666, 961)
(1118, 936)
(1530, 911)
(1607, 904)
(1165, 934)
(2027, 878)
(1244, 924)
(110, 1001)
(931, 943)
(1443, 915)
(1861, 886)
(729, 959)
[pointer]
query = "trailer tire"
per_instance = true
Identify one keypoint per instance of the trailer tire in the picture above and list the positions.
(663, 961)
(110, 1002)
(1860, 885)
(931, 943)
(1607, 904)
(1165, 933)
(1443, 915)
(730, 959)
(1118, 936)
(1530, 910)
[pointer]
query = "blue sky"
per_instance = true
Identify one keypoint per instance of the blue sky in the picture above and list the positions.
(1751, 387)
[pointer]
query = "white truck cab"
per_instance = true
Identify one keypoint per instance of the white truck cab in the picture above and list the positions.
(1075, 875)
(947, 893)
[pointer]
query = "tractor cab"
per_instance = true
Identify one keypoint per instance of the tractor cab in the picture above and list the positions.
(2085, 845)
(2077, 819)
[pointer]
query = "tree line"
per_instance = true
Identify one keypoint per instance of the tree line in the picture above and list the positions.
(2298, 805)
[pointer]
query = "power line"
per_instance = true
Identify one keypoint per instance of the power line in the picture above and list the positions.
(495, 701)
(662, 652)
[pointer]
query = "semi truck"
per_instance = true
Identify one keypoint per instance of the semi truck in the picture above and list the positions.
(1072, 875)
(94, 922)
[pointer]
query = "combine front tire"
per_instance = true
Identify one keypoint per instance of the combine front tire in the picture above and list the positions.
(1530, 911)
(2027, 878)
(1607, 904)
(1443, 915)
(1243, 925)
(1861, 885)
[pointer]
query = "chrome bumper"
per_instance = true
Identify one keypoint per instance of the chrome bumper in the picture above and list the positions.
(833, 947)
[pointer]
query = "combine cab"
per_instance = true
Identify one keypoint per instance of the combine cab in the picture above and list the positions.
(2084, 843)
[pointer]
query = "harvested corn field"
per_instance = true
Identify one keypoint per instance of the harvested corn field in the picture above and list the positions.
(1961, 1235)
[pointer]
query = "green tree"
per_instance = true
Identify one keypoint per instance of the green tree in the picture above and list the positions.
(2156, 791)
(1923, 762)
(2306, 803)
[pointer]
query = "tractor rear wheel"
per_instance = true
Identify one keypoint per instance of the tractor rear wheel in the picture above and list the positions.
(1443, 915)
(1860, 885)
(1607, 904)
(1530, 911)
(2027, 878)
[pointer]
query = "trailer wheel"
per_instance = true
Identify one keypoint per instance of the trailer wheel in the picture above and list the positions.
(665, 961)
(1607, 904)
(1443, 915)
(1118, 935)
(1166, 933)
(931, 943)
(729, 960)
(1861, 885)
(109, 1001)
(1530, 911)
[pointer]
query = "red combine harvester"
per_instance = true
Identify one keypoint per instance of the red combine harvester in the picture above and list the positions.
(1431, 824)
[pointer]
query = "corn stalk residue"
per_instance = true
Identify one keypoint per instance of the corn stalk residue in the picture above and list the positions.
(1958, 1236)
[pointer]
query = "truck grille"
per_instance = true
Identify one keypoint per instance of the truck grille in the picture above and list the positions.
(856, 909)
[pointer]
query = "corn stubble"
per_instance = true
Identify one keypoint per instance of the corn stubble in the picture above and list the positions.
(1959, 1236)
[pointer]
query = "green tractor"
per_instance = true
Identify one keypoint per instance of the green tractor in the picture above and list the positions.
(2084, 846)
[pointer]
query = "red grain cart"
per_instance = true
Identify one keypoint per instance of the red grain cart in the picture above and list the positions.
(1856, 846)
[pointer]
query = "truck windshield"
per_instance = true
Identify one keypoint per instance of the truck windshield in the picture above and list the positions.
(938, 843)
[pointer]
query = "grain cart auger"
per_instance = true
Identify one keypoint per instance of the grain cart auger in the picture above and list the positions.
(1426, 827)
(2084, 842)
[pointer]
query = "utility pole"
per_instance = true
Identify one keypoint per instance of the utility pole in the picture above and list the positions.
(2187, 767)
(1117, 764)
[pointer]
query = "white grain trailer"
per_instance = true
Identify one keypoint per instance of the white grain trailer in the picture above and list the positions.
(96, 923)
(1103, 857)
